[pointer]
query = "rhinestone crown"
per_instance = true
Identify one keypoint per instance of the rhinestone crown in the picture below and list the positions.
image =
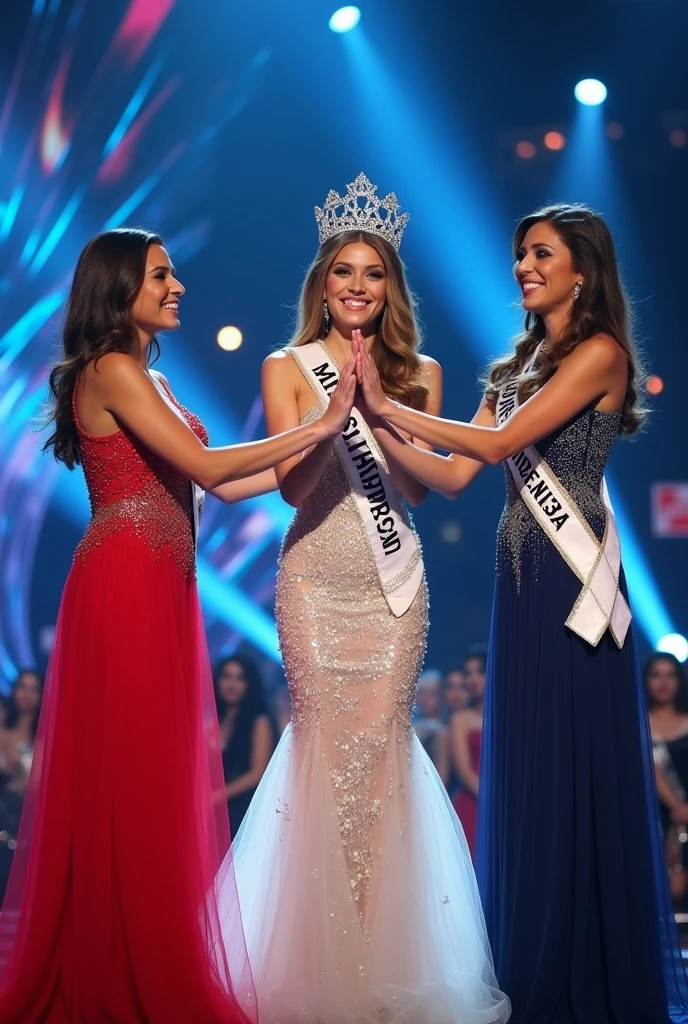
(379, 216)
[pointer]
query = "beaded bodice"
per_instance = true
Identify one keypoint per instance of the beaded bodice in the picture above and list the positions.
(577, 454)
(135, 493)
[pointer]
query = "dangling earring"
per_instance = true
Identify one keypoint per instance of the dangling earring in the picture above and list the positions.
(576, 290)
(326, 317)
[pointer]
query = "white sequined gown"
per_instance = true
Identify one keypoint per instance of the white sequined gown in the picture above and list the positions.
(355, 881)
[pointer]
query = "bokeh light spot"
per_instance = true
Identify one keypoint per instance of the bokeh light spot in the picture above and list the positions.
(229, 338)
(526, 150)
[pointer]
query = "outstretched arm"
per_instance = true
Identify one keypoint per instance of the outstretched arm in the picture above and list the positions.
(592, 370)
(413, 487)
(128, 393)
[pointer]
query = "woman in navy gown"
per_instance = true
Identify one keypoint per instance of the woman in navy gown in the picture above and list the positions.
(569, 856)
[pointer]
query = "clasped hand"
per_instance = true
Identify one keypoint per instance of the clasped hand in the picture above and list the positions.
(359, 384)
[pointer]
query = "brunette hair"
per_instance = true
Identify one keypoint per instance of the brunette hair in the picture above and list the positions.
(13, 713)
(396, 345)
(108, 276)
(681, 698)
(602, 307)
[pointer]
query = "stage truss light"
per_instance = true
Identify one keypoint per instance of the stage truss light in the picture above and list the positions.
(590, 92)
(655, 385)
(229, 338)
(344, 19)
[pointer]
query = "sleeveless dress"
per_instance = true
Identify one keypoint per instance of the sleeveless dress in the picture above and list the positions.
(465, 804)
(570, 863)
(355, 882)
(107, 918)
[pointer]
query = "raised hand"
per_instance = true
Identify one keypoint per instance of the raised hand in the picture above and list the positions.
(368, 377)
(339, 409)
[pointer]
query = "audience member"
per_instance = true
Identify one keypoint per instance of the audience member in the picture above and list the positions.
(428, 724)
(465, 742)
(247, 734)
(455, 690)
(666, 695)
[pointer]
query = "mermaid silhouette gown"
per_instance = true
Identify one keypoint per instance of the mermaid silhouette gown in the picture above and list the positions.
(569, 856)
(107, 917)
(355, 881)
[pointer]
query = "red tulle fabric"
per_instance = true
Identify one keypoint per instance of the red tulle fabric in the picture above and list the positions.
(110, 914)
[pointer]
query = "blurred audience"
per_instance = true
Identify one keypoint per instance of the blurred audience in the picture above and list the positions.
(428, 724)
(465, 733)
(281, 708)
(247, 734)
(456, 693)
(666, 695)
(19, 720)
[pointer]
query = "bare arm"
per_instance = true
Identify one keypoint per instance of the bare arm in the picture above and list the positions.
(447, 474)
(595, 368)
(299, 475)
(261, 752)
(413, 487)
(460, 726)
(248, 487)
(128, 393)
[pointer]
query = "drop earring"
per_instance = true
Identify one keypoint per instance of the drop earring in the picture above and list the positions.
(326, 317)
(576, 290)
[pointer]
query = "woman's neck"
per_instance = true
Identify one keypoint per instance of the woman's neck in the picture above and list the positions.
(555, 323)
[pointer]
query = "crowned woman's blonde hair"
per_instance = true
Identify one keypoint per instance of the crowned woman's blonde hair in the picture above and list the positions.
(398, 338)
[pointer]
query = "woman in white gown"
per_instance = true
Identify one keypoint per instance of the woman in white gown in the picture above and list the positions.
(355, 881)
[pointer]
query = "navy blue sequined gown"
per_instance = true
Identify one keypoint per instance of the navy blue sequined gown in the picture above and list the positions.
(570, 863)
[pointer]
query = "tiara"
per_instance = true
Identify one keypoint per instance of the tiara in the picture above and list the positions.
(378, 216)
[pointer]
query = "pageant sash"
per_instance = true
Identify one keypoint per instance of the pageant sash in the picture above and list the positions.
(600, 604)
(197, 493)
(393, 543)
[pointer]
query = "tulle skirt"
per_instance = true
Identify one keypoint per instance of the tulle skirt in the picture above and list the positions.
(569, 856)
(420, 956)
(109, 915)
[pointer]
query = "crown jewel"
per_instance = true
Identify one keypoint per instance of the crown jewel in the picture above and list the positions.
(379, 216)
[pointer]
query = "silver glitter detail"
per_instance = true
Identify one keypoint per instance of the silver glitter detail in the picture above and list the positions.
(577, 453)
(352, 666)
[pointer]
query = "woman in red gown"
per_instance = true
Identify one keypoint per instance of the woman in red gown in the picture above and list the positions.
(110, 913)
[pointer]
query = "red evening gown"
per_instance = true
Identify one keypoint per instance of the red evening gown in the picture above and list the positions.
(110, 913)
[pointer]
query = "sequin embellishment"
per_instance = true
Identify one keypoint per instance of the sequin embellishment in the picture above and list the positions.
(577, 453)
(352, 667)
(134, 493)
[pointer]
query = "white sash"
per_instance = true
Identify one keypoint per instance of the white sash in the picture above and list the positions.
(197, 493)
(600, 604)
(393, 543)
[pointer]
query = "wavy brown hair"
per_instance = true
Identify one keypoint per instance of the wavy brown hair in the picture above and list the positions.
(601, 308)
(398, 338)
(108, 276)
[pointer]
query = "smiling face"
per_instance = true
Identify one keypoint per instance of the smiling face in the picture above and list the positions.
(545, 272)
(156, 307)
(356, 287)
(663, 682)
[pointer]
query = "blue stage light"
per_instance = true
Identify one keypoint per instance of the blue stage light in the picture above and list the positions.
(345, 19)
(590, 92)
(674, 643)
